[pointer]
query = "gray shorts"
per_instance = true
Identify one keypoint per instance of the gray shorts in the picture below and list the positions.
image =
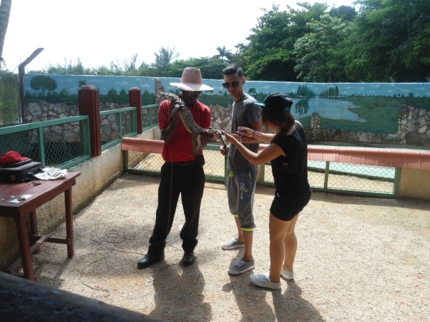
(240, 193)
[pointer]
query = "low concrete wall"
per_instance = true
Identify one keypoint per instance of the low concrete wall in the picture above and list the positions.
(415, 184)
(96, 175)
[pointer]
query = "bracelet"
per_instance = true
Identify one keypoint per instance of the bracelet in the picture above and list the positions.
(256, 133)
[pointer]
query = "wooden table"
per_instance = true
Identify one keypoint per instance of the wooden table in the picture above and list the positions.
(40, 194)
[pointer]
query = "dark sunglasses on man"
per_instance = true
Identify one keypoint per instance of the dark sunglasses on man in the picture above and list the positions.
(234, 84)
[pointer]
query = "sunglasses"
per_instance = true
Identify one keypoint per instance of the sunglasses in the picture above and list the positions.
(233, 84)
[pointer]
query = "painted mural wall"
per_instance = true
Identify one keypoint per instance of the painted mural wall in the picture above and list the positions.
(347, 106)
(353, 107)
(65, 88)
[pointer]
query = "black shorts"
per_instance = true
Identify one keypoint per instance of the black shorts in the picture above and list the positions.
(285, 208)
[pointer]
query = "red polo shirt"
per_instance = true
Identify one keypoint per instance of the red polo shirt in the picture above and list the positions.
(180, 149)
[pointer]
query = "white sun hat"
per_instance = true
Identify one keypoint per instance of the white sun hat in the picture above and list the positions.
(192, 81)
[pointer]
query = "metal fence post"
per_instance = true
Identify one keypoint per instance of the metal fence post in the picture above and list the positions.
(135, 99)
(89, 104)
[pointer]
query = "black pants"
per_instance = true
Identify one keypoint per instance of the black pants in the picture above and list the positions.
(187, 181)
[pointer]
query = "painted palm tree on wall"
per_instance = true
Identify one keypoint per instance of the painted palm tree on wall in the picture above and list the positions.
(4, 21)
(305, 95)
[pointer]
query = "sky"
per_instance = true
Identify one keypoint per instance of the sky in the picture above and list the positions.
(99, 32)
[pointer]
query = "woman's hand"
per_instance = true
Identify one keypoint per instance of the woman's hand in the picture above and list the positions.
(231, 138)
(248, 132)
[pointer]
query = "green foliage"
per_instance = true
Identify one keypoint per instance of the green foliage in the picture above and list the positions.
(163, 60)
(346, 13)
(331, 92)
(223, 100)
(317, 61)
(305, 95)
(148, 98)
(304, 91)
(9, 98)
(43, 83)
(52, 97)
(302, 106)
(269, 53)
(386, 39)
(68, 68)
(224, 54)
(390, 39)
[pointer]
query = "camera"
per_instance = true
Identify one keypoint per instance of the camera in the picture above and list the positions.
(241, 133)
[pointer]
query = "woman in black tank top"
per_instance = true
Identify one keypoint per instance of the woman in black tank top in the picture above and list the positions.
(287, 152)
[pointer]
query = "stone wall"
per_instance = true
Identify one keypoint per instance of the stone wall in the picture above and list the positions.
(71, 132)
(413, 130)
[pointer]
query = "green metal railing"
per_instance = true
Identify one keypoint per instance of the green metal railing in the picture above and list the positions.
(116, 124)
(142, 163)
(323, 176)
(150, 116)
(345, 178)
(60, 143)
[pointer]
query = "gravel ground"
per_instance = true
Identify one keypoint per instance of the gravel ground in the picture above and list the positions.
(359, 259)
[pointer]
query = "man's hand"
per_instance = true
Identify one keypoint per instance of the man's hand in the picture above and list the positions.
(176, 105)
(223, 150)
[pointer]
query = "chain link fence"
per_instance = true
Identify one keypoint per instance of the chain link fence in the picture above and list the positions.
(144, 163)
(334, 177)
(115, 124)
(347, 178)
(58, 143)
(149, 116)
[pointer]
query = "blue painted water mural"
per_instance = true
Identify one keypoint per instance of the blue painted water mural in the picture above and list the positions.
(330, 100)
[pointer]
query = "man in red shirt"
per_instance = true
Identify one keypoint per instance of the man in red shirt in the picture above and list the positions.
(182, 173)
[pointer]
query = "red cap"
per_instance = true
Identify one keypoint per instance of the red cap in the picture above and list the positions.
(11, 157)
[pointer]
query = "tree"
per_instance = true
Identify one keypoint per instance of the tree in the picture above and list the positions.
(5, 7)
(318, 58)
(344, 12)
(130, 66)
(9, 98)
(68, 68)
(390, 39)
(163, 59)
(43, 83)
(224, 54)
(238, 57)
(270, 53)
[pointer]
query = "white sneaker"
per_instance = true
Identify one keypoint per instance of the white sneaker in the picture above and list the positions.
(233, 244)
(286, 274)
(263, 280)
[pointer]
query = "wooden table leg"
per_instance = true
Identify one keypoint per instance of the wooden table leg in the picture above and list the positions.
(33, 227)
(69, 223)
(24, 247)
